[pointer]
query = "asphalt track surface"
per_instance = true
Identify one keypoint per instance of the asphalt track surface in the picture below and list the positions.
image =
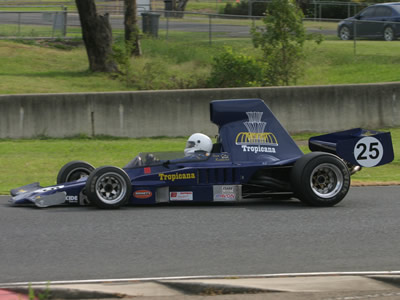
(77, 243)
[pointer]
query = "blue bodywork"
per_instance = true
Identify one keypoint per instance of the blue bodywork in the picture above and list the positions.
(251, 144)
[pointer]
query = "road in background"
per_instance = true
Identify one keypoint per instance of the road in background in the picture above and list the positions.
(57, 23)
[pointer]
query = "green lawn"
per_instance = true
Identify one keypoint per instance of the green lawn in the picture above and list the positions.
(184, 61)
(27, 161)
(334, 62)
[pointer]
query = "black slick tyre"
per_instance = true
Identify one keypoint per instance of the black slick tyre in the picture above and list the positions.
(74, 170)
(108, 187)
(320, 179)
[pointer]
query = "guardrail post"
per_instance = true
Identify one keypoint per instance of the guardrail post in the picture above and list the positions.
(209, 29)
(348, 10)
(65, 12)
(320, 12)
(166, 37)
(250, 7)
(354, 36)
(315, 11)
(54, 24)
(19, 24)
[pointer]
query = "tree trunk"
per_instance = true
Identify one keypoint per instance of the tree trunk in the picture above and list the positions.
(97, 35)
(182, 5)
(132, 41)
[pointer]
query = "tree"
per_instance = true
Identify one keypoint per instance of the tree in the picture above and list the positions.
(281, 41)
(97, 36)
(132, 40)
(180, 5)
(177, 5)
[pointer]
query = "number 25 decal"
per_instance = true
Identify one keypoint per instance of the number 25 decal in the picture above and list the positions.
(368, 152)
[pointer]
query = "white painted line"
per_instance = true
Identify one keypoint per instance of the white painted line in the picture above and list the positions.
(121, 280)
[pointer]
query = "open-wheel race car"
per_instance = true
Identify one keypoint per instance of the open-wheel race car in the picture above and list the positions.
(253, 157)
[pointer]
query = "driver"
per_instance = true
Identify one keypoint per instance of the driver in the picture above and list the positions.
(198, 143)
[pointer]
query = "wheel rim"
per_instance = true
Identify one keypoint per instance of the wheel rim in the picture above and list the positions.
(77, 174)
(344, 33)
(111, 188)
(326, 180)
(388, 34)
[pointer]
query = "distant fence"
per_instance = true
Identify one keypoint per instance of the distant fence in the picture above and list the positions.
(336, 9)
(170, 25)
(21, 24)
(54, 24)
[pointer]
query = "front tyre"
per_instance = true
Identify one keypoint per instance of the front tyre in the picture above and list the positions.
(108, 187)
(320, 179)
(74, 170)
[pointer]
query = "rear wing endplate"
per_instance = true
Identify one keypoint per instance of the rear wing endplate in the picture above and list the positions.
(360, 147)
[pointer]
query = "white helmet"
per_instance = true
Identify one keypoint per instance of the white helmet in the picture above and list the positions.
(198, 142)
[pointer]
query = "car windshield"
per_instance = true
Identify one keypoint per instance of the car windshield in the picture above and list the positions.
(368, 12)
(396, 8)
(147, 159)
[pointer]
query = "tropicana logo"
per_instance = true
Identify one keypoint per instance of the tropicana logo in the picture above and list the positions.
(256, 134)
(177, 176)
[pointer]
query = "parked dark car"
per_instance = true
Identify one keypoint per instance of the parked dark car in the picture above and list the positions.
(375, 21)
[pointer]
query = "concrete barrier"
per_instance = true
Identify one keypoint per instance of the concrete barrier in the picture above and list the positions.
(182, 112)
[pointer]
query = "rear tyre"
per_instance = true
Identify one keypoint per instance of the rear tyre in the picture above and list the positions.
(320, 179)
(108, 187)
(74, 170)
(344, 33)
(388, 34)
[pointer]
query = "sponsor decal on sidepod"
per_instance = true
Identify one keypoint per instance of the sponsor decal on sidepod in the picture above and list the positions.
(183, 196)
(142, 194)
(177, 176)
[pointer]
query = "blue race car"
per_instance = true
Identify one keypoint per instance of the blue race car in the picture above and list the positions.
(254, 156)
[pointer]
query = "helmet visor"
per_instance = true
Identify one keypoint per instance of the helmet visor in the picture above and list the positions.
(190, 144)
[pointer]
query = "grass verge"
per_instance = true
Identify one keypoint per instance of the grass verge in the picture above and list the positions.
(183, 61)
(25, 161)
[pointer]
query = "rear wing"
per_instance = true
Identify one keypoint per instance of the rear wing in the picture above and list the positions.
(359, 147)
(250, 132)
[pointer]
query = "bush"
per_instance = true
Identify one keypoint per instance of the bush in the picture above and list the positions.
(234, 70)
